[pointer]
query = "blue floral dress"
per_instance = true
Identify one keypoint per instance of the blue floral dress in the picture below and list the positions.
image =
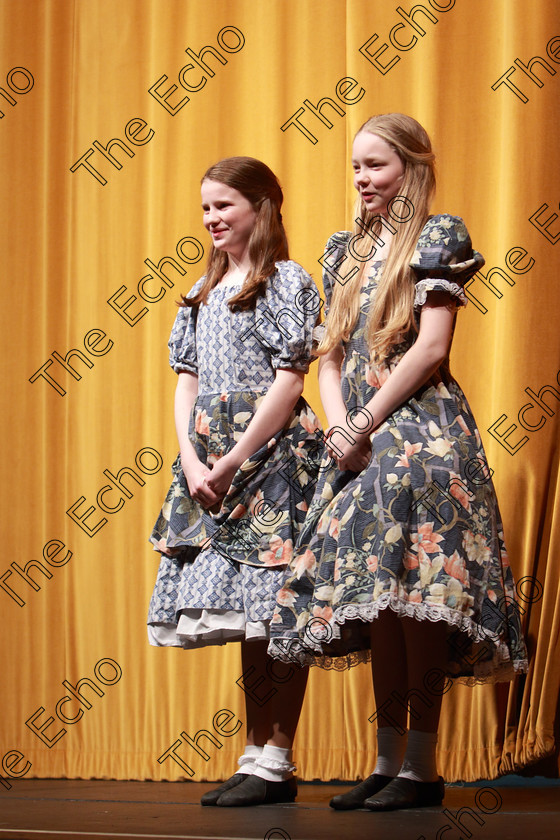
(219, 573)
(418, 530)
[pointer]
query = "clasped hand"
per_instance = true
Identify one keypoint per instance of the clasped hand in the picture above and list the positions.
(209, 486)
(221, 475)
(355, 455)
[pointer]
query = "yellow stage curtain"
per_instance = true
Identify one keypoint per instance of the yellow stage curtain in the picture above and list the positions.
(110, 114)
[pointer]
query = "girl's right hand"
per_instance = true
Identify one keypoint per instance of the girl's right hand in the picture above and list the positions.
(349, 456)
(196, 474)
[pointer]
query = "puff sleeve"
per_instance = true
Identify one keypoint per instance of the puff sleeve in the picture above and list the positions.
(444, 259)
(182, 341)
(286, 315)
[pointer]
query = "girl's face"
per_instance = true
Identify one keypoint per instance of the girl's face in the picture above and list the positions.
(228, 216)
(378, 171)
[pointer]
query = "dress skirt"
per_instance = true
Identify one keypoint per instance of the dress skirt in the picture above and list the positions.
(219, 572)
(418, 531)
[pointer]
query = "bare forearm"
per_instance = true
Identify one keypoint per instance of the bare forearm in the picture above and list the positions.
(349, 443)
(351, 447)
(414, 370)
(271, 415)
(185, 396)
(420, 361)
(329, 387)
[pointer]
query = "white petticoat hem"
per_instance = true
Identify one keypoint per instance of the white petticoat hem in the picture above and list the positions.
(200, 628)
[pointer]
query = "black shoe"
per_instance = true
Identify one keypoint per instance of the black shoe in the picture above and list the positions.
(257, 791)
(356, 797)
(212, 796)
(406, 793)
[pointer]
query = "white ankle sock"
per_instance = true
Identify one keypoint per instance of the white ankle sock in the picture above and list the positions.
(275, 764)
(390, 751)
(419, 762)
(248, 761)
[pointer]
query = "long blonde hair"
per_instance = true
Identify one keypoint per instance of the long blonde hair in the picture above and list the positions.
(267, 243)
(391, 318)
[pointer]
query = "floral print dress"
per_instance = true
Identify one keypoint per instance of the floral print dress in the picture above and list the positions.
(419, 530)
(220, 572)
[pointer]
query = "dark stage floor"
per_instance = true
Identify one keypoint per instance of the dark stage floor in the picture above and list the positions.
(63, 810)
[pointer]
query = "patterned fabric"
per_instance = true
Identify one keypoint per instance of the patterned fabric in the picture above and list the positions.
(419, 530)
(235, 355)
(201, 590)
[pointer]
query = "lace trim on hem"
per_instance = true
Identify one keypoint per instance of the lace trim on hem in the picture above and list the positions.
(432, 612)
(500, 669)
(488, 676)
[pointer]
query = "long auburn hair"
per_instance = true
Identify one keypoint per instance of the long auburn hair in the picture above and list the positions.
(391, 318)
(267, 243)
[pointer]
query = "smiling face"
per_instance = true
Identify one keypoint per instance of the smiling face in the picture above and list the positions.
(378, 171)
(228, 216)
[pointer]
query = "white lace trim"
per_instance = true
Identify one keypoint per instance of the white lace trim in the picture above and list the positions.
(427, 285)
(499, 669)
(247, 759)
(275, 765)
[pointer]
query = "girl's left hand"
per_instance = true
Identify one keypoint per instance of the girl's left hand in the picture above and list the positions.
(221, 475)
(353, 456)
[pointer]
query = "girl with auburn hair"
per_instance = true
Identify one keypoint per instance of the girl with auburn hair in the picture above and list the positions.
(241, 345)
(401, 560)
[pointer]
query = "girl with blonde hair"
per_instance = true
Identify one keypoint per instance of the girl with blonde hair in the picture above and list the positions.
(401, 560)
